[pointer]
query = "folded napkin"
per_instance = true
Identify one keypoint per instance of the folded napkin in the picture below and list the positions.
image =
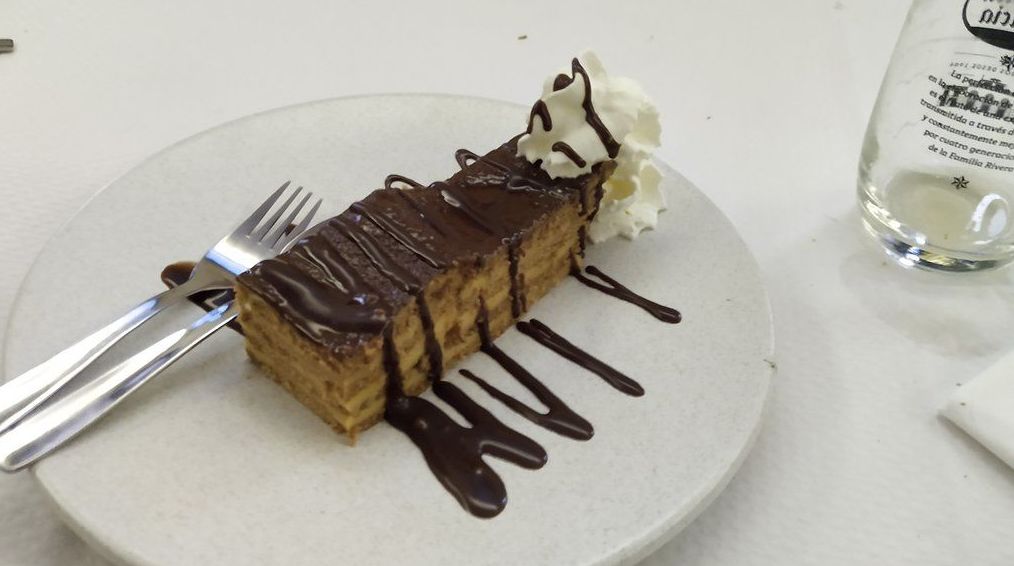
(984, 408)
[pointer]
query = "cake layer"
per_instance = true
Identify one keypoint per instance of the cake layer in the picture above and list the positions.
(387, 293)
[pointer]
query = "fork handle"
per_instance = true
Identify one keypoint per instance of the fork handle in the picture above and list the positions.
(26, 392)
(60, 420)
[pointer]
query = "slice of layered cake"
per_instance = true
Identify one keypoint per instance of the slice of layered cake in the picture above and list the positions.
(387, 294)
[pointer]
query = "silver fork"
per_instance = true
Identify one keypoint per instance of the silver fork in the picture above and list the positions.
(62, 419)
(252, 241)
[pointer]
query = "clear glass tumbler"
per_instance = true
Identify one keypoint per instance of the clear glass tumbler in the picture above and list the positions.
(936, 174)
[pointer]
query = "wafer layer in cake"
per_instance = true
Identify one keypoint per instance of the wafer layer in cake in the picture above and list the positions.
(387, 293)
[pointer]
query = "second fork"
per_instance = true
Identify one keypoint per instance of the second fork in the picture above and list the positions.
(252, 241)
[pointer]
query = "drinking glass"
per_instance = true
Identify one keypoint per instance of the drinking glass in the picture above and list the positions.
(936, 173)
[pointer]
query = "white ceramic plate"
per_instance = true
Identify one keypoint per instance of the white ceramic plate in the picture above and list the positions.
(214, 464)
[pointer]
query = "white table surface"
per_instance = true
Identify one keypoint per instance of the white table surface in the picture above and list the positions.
(764, 106)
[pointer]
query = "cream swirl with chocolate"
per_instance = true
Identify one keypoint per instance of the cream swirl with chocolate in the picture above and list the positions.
(586, 117)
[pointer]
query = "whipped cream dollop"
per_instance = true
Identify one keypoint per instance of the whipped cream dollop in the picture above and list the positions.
(586, 117)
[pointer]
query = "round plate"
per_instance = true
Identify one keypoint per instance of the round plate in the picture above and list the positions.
(214, 464)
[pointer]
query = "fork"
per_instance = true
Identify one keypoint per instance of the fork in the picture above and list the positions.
(58, 421)
(62, 419)
(251, 242)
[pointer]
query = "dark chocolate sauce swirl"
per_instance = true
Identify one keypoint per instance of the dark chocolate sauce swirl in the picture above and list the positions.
(328, 260)
(599, 193)
(388, 224)
(520, 183)
(542, 111)
(558, 417)
(352, 229)
(463, 201)
(515, 180)
(465, 157)
(454, 453)
(433, 349)
(406, 197)
(322, 308)
(392, 364)
(614, 288)
(564, 148)
(591, 116)
(394, 179)
(545, 336)
(564, 422)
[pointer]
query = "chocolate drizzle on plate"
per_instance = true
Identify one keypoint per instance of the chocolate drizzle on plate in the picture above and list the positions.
(454, 453)
(545, 336)
(613, 287)
(558, 417)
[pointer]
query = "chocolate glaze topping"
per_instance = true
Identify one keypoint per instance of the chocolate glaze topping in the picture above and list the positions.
(398, 239)
(516, 181)
(461, 199)
(518, 301)
(314, 300)
(353, 229)
(465, 157)
(413, 240)
(394, 179)
(407, 198)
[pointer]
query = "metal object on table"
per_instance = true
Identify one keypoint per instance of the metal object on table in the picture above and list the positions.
(59, 421)
(251, 242)
(54, 423)
(6, 45)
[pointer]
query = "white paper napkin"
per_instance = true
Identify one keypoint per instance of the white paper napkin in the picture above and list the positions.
(984, 408)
